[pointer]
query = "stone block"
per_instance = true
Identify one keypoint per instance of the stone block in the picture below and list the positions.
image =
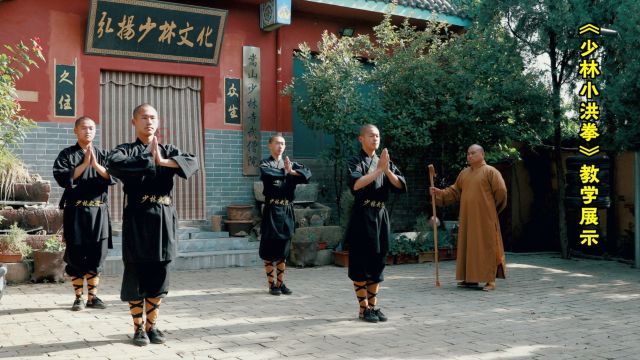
(324, 257)
(305, 193)
(17, 272)
(50, 219)
(314, 214)
(37, 191)
(303, 253)
(331, 235)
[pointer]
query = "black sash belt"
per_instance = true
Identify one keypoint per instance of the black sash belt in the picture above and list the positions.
(373, 204)
(276, 201)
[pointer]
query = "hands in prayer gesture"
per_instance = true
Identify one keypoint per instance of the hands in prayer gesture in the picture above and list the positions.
(157, 153)
(385, 160)
(287, 165)
(90, 158)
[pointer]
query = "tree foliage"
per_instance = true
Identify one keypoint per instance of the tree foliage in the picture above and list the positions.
(442, 93)
(550, 28)
(14, 125)
(621, 71)
(430, 92)
(18, 58)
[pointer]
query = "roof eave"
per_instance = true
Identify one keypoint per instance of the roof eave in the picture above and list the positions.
(399, 10)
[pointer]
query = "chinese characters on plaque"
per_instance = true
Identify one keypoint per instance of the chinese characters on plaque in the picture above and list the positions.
(232, 113)
(251, 110)
(64, 90)
(155, 30)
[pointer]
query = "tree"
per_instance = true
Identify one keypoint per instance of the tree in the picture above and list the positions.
(13, 125)
(621, 70)
(331, 97)
(442, 93)
(546, 27)
(430, 92)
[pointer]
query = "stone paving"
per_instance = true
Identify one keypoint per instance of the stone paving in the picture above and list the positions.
(548, 308)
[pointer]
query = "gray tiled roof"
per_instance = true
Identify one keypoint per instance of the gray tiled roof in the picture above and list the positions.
(440, 6)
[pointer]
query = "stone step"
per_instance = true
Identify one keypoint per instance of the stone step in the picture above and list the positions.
(185, 234)
(201, 245)
(196, 261)
(184, 226)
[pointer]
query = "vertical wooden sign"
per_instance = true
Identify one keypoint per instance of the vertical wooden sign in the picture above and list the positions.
(251, 110)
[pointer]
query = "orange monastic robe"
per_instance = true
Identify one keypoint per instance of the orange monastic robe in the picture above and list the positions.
(482, 195)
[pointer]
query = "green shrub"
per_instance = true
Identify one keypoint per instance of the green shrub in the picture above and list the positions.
(53, 244)
(15, 242)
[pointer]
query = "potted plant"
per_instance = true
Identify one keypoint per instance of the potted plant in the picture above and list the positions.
(404, 249)
(48, 262)
(13, 245)
(425, 241)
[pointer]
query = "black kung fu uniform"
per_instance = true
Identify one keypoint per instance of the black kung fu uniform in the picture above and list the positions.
(86, 223)
(369, 229)
(278, 221)
(149, 219)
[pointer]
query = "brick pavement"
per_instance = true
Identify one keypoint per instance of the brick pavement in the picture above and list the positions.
(548, 308)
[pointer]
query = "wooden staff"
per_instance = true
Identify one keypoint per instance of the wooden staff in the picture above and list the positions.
(434, 220)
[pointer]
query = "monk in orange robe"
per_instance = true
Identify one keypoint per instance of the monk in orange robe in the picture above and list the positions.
(482, 194)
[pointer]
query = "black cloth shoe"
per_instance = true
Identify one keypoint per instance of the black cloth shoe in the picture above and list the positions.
(156, 336)
(78, 305)
(369, 316)
(285, 290)
(275, 290)
(96, 303)
(140, 338)
(381, 317)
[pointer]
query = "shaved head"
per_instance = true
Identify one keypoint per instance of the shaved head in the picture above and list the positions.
(274, 137)
(476, 147)
(365, 128)
(81, 119)
(475, 155)
(140, 107)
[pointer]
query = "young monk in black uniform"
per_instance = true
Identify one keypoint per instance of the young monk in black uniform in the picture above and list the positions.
(280, 178)
(146, 168)
(370, 179)
(80, 170)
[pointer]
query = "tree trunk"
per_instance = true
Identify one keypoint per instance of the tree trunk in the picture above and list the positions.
(557, 112)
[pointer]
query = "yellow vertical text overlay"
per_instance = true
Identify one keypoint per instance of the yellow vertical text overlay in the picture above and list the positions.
(589, 174)
(589, 216)
(589, 237)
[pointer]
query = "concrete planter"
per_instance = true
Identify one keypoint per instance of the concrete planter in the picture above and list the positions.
(50, 219)
(405, 259)
(443, 255)
(240, 212)
(48, 266)
(17, 272)
(10, 258)
(37, 191)
(239, 227)
(341, 258)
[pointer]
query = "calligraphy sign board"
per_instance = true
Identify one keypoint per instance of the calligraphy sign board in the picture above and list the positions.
(155, 30)
(64, 90)
(251, 109)
(232, 114)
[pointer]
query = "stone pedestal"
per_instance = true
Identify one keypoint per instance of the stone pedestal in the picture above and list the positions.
(17, 272)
